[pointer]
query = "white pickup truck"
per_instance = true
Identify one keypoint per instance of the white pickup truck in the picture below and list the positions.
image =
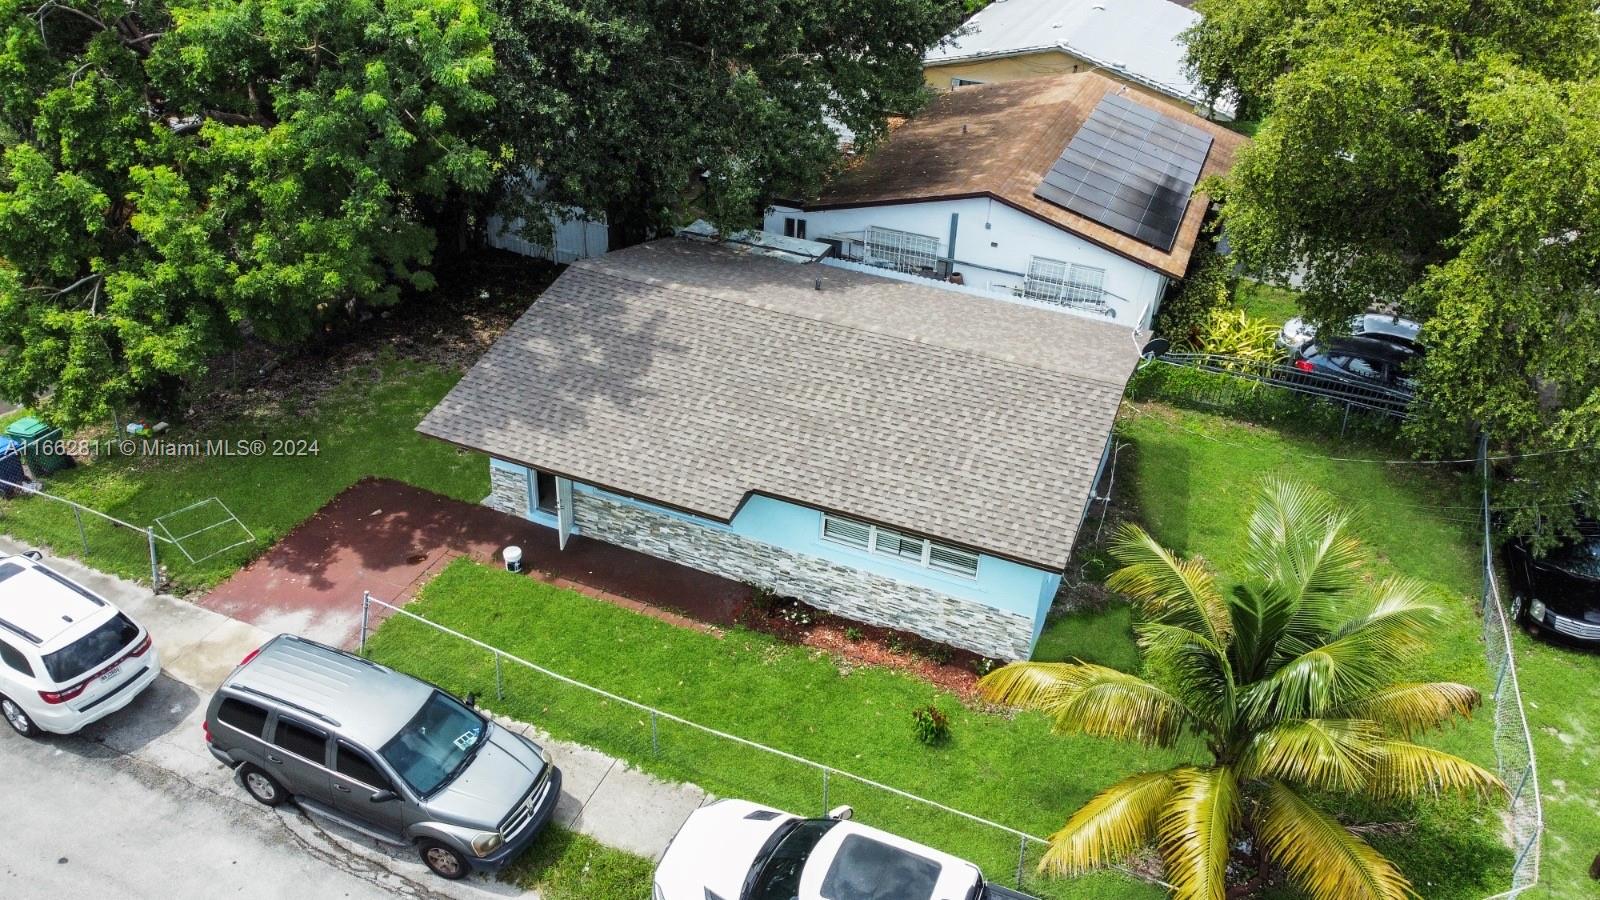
(737, 850)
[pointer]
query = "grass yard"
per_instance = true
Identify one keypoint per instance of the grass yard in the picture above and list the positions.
(565, 865)
(1266, 301)
(1561, 695)
(363, 425)
(1190, 474)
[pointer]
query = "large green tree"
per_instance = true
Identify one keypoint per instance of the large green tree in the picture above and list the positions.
(1400, 160)
(645, 110)
(176, 175)
(1290, 690)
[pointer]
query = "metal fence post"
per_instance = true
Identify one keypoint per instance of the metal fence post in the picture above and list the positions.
(499, 678)
(155, 568)
(824, 791)
(1022, 859)
(83, 538)
(655, 735)
(366, 605)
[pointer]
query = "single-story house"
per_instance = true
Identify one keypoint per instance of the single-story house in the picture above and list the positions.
(1073, 191)
(885, 449)
(1137, 42)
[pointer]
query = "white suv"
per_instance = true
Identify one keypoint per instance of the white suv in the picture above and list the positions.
(67, 657)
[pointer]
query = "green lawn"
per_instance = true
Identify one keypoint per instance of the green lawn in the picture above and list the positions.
(565, 865)
(1192, 476)
(362, 426)
(1561, 695)
(1266, 301)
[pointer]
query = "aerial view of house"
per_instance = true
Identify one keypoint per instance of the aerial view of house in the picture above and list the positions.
(839, 450)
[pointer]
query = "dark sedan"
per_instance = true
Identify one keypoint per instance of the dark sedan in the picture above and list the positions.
(1558, 595)
(1368, 361)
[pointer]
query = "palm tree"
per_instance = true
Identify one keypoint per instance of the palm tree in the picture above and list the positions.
(1291, 683)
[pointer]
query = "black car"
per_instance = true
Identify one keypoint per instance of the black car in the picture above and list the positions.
(1558, 595)
(1376, 361)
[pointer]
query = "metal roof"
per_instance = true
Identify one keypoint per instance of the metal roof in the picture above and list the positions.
(356, 698)
(690, 375)
(1136, 39)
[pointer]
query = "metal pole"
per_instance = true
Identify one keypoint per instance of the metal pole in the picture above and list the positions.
(82, 538)
(1022, 859)
(1500, 679)
(155, 568)
(499, 679)
(655, 735)
(366, 605)
(824, 791)
(1520, 785)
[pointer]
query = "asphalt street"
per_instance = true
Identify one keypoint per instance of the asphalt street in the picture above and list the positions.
(134, 807)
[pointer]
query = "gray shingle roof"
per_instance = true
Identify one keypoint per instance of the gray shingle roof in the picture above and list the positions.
(689, 375)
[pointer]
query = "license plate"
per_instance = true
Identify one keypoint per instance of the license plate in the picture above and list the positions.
(112, 673)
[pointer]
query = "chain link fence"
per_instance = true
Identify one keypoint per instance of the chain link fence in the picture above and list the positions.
(71, 529)
(1513, 744)
(679, 750)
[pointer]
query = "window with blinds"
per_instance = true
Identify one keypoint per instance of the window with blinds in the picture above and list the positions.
(901, 249)
(1054, 281)
(906, 547)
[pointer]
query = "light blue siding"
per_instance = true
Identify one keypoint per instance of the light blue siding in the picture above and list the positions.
(1000, 583)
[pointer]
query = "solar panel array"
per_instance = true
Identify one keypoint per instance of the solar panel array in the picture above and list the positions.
(1129, 168)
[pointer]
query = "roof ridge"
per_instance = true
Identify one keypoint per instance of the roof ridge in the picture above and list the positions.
(678, 287)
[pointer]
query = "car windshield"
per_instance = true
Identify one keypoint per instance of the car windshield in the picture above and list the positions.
(92, 650)
(436, 744)
(775, 874)
(1581, 558)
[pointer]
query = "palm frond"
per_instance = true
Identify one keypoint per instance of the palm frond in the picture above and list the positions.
(1414, 707)
(1360, 659)
(1089, 699)
(1111, 826)
(1322, 856)
(1181, 592)
(1409, 770)
(1195, 832)
(1326, 754)
(1300, 538)
(1197, 669)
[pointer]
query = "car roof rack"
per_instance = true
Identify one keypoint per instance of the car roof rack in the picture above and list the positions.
(23, 633)
(326, 719)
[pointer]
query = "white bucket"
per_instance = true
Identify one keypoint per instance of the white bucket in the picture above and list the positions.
(513, 558)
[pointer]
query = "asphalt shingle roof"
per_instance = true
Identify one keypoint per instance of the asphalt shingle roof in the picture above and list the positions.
(690, 375)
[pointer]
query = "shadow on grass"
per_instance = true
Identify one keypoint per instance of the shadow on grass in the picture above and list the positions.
(565, 865)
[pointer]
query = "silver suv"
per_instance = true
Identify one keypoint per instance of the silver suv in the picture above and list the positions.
(383, 753)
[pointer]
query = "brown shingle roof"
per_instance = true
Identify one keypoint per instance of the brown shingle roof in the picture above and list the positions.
(692, 376)
(1014, 132)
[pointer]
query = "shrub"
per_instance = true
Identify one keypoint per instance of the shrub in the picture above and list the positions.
(852, 633)
(983, 666)
(937, 652)
(1208, 287)
(1234, 332)
(797, 614)
(762, 597)
(931, 725)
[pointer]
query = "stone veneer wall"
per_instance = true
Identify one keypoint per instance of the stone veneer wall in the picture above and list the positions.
(849, 592)
(845, 591)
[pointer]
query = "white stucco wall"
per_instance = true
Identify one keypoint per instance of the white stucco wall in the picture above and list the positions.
(994, 243)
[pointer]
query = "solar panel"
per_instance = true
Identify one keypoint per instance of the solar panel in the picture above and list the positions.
(1129, 168)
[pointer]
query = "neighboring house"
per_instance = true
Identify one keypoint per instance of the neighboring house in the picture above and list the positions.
(572, 235)
(887, 450)
(1136, 42)
(1072, 191)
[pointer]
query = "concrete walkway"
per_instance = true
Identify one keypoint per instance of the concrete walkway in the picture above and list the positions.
(600, 796)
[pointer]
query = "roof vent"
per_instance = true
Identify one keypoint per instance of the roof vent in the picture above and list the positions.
(817, 284)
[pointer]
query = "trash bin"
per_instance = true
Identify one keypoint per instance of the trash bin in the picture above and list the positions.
(11, 473)
(33, 435)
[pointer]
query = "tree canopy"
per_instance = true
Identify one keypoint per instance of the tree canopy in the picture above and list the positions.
(178, 175)
(645, 110)
(1433, 157)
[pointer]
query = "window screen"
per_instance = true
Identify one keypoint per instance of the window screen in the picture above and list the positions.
(846, 531)
(247, 717)
(301, 741)
(355, 765)
(898, 544)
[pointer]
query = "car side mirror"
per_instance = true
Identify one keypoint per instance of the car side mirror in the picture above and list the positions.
(382, 796)
(472, 701)
(33, 555)
(841, 813)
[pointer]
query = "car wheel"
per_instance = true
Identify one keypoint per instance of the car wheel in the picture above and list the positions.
(1516, 609)
(263, 787)
(17, 718)
(443, 860)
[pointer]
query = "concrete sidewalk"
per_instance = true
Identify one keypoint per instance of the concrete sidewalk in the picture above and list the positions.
(600, 796)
